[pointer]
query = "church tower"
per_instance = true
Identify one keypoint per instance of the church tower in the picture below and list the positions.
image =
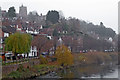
(23, 12)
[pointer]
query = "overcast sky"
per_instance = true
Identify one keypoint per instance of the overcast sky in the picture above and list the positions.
(94, 11)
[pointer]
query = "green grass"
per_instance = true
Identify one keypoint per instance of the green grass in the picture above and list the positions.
(44, 66)
(40, 66)
(15, 74)
(20, 74)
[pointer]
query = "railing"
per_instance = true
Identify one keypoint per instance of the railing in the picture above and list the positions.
(19, 61)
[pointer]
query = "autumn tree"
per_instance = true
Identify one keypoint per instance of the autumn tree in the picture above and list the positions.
(95, 44)
(74, 24)
(18, 43)
(42, 43)
(64, 56)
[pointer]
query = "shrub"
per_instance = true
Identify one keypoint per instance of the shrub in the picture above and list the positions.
(15, 74)
(114, 56)
(96, 58)
(43, 60)
(20, 68)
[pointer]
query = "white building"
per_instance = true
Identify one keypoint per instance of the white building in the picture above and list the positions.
(33, 51)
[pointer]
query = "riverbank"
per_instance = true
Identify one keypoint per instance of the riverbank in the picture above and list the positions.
(99, 58)
(82, 59)
(31, 72)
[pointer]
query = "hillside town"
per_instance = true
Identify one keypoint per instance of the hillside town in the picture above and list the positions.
(36, 25)
(33, 45)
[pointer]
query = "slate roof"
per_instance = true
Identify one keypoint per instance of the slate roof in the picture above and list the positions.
(8, 29)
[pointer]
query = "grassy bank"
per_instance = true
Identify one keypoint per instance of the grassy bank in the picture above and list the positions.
(36, 70)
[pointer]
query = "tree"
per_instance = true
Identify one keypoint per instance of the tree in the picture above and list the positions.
(74, 24)
(52, 16)
(33, 16)
(95, 44)
(11, 12)
(42, 43)
(118, 42)
(64, 56)
(55, 33)
(18, 43)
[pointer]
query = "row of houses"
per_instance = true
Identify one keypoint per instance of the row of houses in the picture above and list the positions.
(17, 24)
(10, 27)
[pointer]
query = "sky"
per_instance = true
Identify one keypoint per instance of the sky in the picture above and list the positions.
(94, 11)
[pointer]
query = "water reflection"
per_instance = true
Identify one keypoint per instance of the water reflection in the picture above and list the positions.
(91, 71)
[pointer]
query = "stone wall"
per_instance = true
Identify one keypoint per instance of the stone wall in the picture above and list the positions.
(6, 69)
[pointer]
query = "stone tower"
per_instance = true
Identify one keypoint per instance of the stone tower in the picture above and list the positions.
(23, 12)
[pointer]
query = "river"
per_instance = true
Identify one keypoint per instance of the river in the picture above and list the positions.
(91, 72)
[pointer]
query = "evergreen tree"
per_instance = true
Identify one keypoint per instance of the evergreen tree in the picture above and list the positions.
(11, 12)
(52, 16)
(55, 33)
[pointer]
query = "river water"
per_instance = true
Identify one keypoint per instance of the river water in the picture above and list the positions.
(91, 72)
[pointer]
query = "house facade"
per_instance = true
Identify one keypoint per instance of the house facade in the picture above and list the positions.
(1, 41)
(33, 51)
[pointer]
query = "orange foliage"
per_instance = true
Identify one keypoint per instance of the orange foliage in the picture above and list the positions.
(95, 57)
(64, 56)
